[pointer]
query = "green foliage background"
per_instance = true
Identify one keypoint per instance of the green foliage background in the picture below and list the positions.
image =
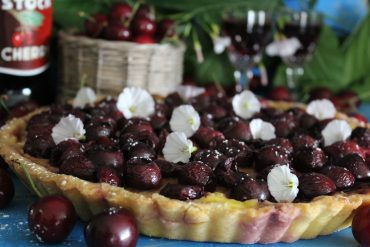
(335, 64)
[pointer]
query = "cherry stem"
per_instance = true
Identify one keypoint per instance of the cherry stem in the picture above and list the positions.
(3, 105)
(30, 180)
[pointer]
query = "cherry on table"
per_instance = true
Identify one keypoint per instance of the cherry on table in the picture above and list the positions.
(144, 26)
(361, 225)
(120, 12)
(6, 189)
(144, 39)
(117, 32)
(116, 227)
(95, 24)
(52, 218)
(280, 93)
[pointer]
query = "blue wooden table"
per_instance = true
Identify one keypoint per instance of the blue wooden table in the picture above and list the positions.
(14, 229)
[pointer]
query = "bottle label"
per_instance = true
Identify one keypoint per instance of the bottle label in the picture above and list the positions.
(25, 31)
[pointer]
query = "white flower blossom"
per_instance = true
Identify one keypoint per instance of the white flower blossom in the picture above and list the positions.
(135, 102)
(185, 119)
(283, 48)
(262, 130)
(282, 184)
(336, 130)
(321, 109)
(220, 44)
(85, 96)
(186, 92)
(178, 148)
(69, 127)
(246, 104)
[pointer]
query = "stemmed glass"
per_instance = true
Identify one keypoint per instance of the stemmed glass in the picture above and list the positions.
(305, 26)
(249, 32)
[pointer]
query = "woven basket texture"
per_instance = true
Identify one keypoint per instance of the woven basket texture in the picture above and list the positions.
(109, 66)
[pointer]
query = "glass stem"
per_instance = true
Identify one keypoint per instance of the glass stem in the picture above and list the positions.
(293, 74)
(242, 78)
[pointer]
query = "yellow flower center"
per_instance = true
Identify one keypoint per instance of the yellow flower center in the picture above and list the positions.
(191, 121)
(290, 184)
(132, 109)
(246, 105)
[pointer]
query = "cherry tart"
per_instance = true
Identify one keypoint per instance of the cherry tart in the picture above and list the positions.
(203, 168)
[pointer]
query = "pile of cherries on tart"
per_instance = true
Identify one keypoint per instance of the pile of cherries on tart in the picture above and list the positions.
(127, 152)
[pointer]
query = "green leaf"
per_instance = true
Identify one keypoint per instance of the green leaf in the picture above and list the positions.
(216, 68)
(66, 12)
(29, 18)
(362, 88)
(357, 48)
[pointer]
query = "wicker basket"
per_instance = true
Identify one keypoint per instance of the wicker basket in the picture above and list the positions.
(109, 66)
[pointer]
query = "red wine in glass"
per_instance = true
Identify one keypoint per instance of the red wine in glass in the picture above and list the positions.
(249, 33)
(248, 40)
(307, 35)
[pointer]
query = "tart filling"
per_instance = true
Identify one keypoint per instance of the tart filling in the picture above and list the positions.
(226, 172)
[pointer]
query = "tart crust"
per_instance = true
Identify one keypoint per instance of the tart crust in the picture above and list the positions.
(212, 218)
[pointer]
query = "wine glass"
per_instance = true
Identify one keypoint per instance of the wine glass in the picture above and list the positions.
(249, 32)
(305, 26)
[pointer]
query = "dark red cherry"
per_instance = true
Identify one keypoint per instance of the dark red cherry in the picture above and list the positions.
(142, 175)
(210, 157)
(141, 150)
(79, 166)
(356, 165)
(320, 93)
(282, 143)
(204, 136)
(227, 173)
(269, 156)
(304, 141)
(173, 100)
(144, 26)
(309, 159)
(341, 176)
(182, 192)
(120, 13)
(6, 189)
(280, 93)
(117, 32)
(109, 175)
(65, 150)
(361, 225)
(307, 121)
(39, 146)
(340, 149)
(112, 228)
(135, 125)
(361, 135)
(348, 100)
(52, 218)
(101, 157)
(250, 188)
(240, 131)
(315, 184)
(168, 169)
(144, 39)
(285, 125)
(95, 25)
(195, 173)
(229, 147)
(144, 11)
(165, 29)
